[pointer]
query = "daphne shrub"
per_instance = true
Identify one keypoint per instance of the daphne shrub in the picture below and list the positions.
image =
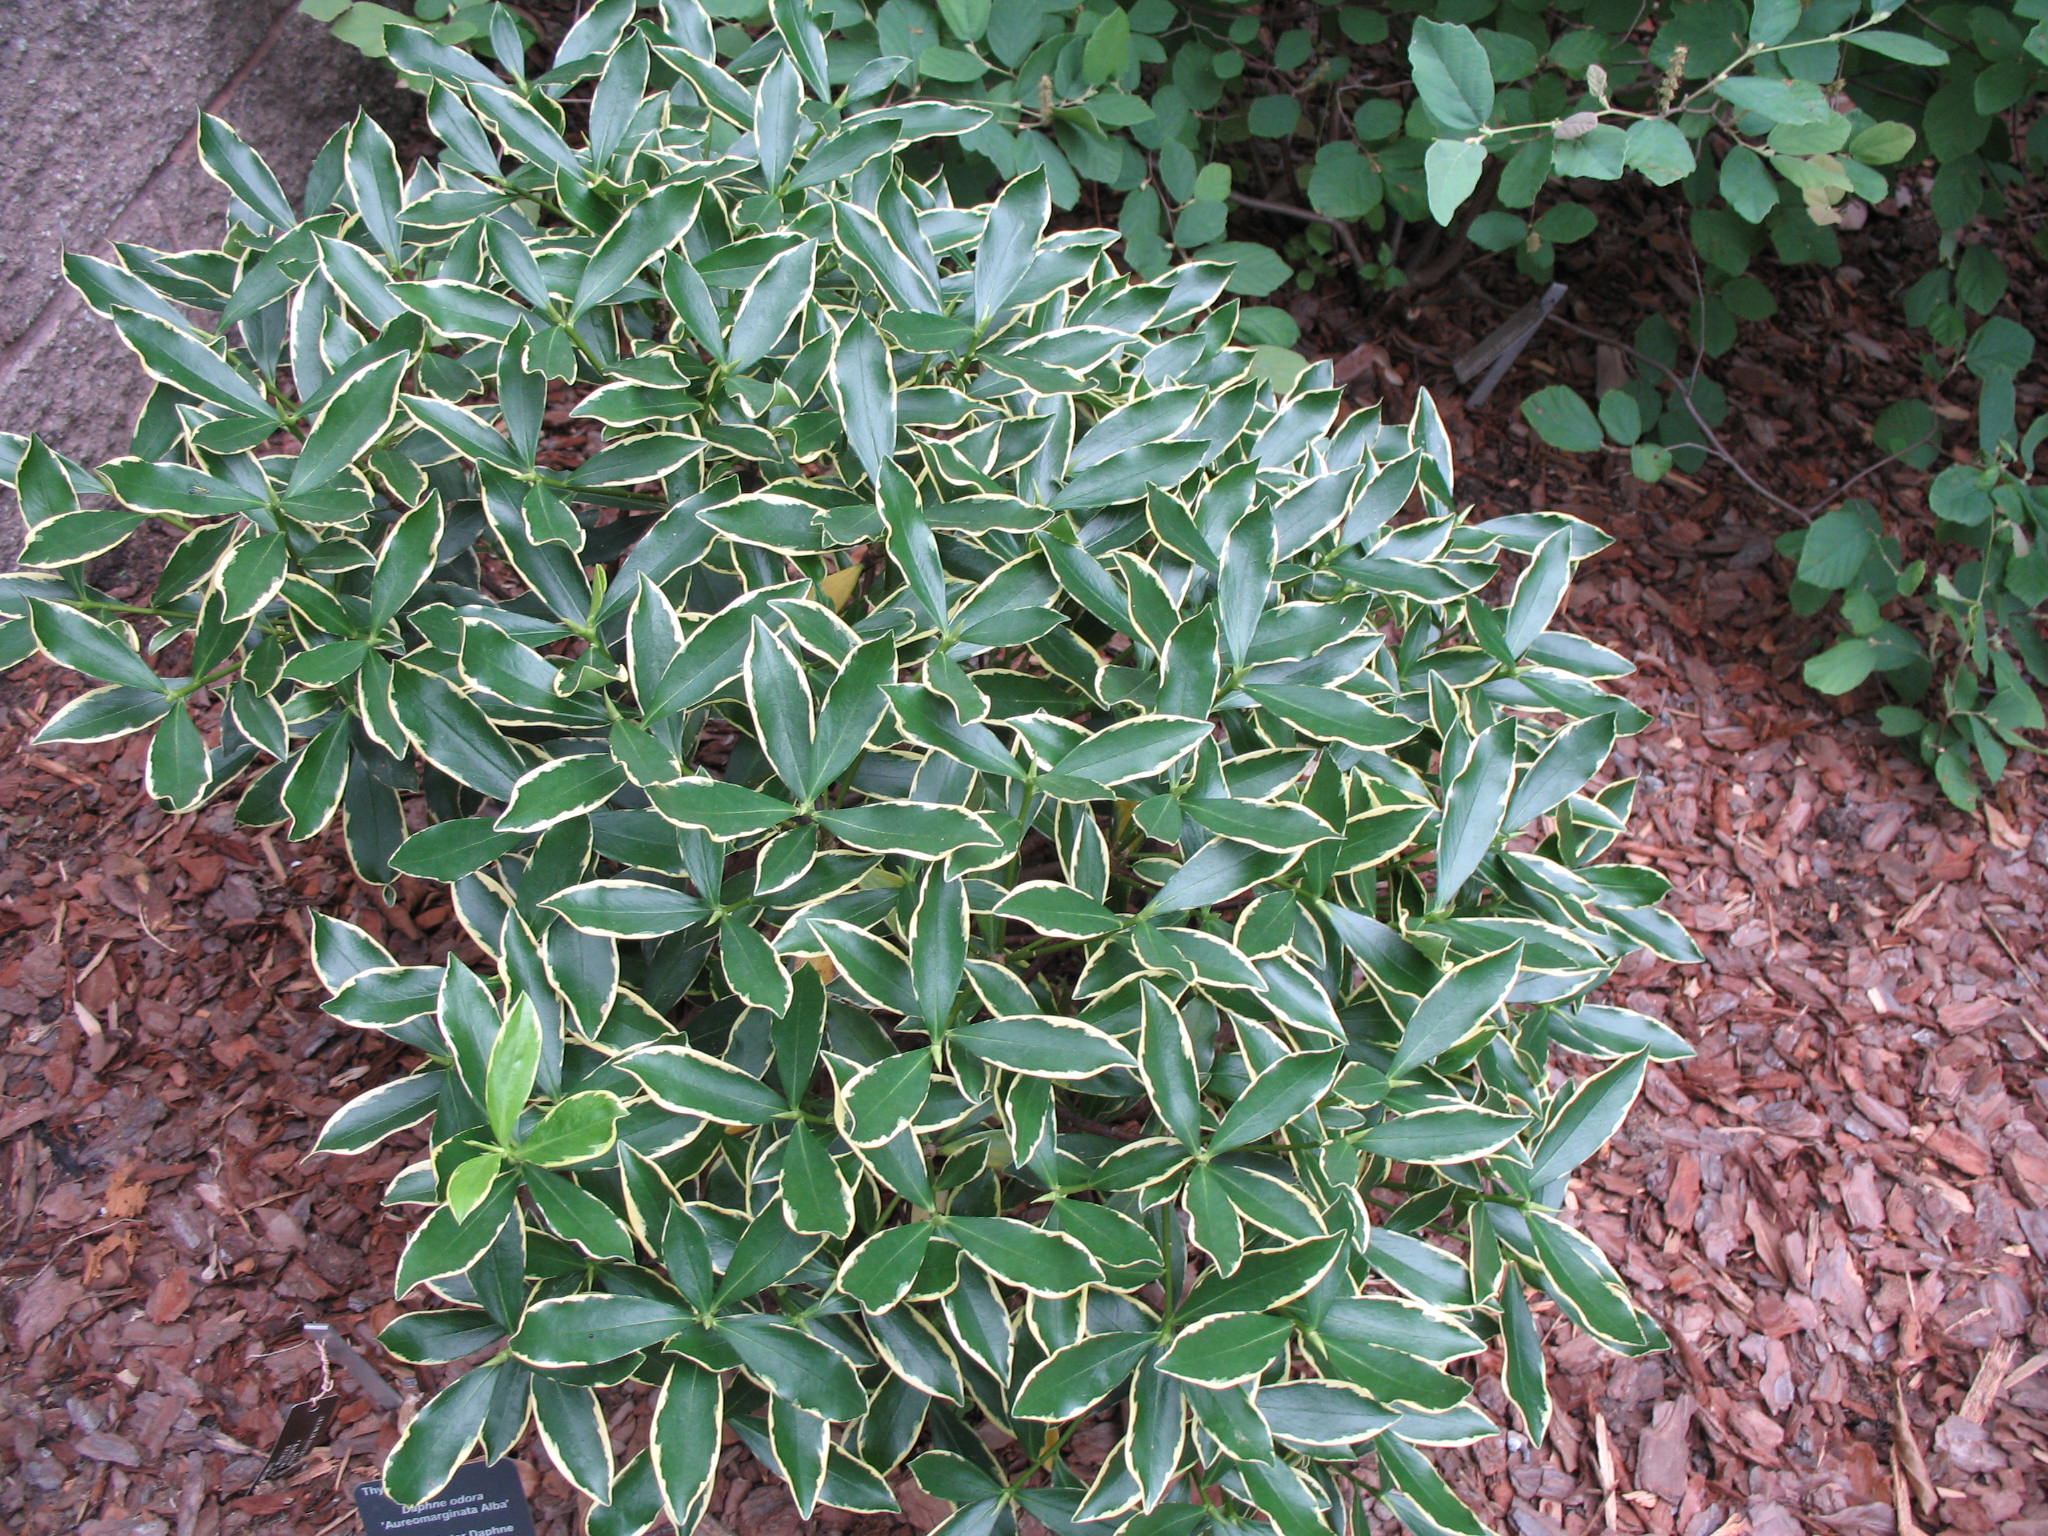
(1031, 867)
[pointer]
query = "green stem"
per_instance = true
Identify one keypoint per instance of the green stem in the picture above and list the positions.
(198, 683)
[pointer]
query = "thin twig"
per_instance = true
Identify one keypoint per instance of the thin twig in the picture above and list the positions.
(1720, 449)
(1805, 514)
(1866, 472)
(1345, 235)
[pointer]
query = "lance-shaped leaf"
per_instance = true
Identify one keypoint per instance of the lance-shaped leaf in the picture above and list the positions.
(1130, 749)
(1039, 1045)
(629, 909)
(454, 734)
(880, 1272)
(82, 643)
(385, 1110)
(1442, 1134)
(1330, 714)
(1418, 1494)
(572, 1427)
(514, 1062)
(1017, 1253)
(1267, 1279)
(1277, 1095)
(1016, 222)
(684, 1441)
(592, 1329)
(561, 789)
(938, 944)
(815, 1195)
(795, 1366)
(462, 310)
(866, 389)
(876, 970)
(1526, 1376)
(690, 1082)
(1584, 1284)
(1167, 1064)
(178, 357)
(723, 809)
(915, 831)
(1475, 805)
(230, 161)
(1584, 1122)
(1226, 1348)
(1565, 766)
(777, 96)
(881, 1101)
(1218, 871)
(785, 715)
(438, 1439)
(771, 305)
(1070, 1381)
(356, 416)
(1455, 1006)
(1323, 1414)
(649, 227)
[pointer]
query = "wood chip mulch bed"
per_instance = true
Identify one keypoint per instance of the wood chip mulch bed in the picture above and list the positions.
(1839, 1210)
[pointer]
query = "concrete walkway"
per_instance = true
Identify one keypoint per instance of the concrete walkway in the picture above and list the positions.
(99, 100)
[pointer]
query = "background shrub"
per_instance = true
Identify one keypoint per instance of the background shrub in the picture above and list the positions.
(1025, 867)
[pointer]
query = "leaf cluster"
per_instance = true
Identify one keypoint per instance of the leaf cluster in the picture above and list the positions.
(1027, 870)
(1958, 648)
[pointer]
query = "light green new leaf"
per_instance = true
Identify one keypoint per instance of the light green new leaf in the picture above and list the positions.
(574, 1130)
(514, 1061)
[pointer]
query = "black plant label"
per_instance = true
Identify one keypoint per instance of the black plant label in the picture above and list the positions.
(305, 1429)
(483, 1499)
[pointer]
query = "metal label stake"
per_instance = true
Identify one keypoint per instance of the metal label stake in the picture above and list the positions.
(1495, 353)
(365, 1375)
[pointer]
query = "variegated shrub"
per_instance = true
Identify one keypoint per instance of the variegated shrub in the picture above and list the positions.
(1029, 870)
